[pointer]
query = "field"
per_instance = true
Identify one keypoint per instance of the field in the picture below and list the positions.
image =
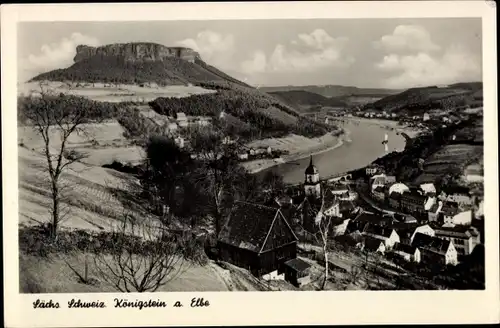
(112, 92)
(454, 157)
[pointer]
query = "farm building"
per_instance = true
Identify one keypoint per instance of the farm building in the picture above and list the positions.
(257, 238)
(297, 272)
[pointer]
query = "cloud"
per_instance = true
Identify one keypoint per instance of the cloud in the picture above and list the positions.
(413, 59)
(457, 63)
(57, 55)
(214, 48)
(407, 38)
(308, 53)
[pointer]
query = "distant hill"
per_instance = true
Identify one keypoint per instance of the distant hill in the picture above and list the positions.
(417, 100)
(141, 63)
(301, 99)
(334, 90)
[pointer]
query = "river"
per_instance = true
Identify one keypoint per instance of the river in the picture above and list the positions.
(364, 147)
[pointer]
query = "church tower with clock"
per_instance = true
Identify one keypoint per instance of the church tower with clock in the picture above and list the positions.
(312, 186)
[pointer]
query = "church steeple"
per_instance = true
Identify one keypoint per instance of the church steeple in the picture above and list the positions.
(312, 184)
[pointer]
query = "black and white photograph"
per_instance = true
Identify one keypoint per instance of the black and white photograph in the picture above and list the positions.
(232, 155)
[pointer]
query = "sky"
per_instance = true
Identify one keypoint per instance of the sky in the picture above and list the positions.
(375, 53)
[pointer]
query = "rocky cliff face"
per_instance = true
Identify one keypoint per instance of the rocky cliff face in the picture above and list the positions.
(136, 52)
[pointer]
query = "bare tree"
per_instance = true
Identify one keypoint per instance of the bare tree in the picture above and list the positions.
(51, 115)
(143, 257)
(219, 171)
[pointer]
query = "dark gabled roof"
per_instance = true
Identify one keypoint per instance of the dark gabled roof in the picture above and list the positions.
(378, 230)
(395, 195)
(458, 231)
(372, 243)
(405, 248)
(433, 244)
(414, 195)
(379, 189)
(450, 208)
(337, 187)
(297, 264)
(369, 217)
(248, 225)
(405, 229)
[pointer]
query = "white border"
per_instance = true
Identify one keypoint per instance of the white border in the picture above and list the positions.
(247, 308)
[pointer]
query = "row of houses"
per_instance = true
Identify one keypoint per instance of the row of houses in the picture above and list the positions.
(412, 241)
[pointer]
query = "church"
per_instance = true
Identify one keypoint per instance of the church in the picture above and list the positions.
(321, 197)
(312, 185)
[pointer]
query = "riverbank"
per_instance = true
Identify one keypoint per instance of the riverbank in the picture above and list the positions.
(298, 148)
(387, 124)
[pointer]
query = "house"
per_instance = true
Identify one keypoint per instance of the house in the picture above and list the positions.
(243, 156)
(172, 127)
(434, 250)
(461, 218)
(398, 187)
(386, 234)
(182, 119)
(269, 150)
(377, 180)
(428, 188)
(429, 203)
(405, 218)
(379, 193)
(447, 212)
(407, 252)
(331, 206)
(371, 170)
(407, 231)
(363, 218)
(460, 198)
(426, 117)
(434, 211)
(179, 141)
(257, 238)
(297, 272)
(339, 226)
(222, 114)
(339, 189)
(395, 200)
(413, 202)
(373, 245)
(464, 238)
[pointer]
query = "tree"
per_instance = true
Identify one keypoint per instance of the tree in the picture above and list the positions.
(143, 257)
(321, 236)
(51, 116)
(218, 172)
(167, 167)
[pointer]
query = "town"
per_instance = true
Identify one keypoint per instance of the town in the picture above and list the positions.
(144, 168)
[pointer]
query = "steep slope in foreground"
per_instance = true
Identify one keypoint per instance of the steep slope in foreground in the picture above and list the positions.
(416, 100)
